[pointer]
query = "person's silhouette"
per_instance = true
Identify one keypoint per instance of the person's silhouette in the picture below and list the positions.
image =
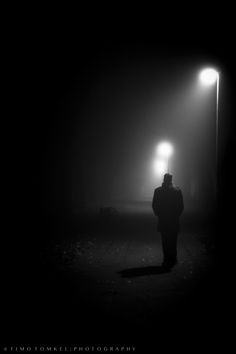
(168, 205)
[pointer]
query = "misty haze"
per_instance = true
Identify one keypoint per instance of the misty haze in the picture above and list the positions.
(106, 265)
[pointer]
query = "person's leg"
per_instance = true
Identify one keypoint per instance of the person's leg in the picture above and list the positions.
(173, 247)
(165, 237)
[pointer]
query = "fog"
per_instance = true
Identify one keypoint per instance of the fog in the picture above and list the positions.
(106, 120)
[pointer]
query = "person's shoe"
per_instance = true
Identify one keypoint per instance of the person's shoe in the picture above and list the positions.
(166, 266)
(174, 262)
(169, 264)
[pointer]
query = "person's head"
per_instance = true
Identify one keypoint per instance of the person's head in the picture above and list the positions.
(167, 180)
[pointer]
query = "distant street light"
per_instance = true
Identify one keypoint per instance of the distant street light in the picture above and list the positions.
(210, 76)
(165, 150)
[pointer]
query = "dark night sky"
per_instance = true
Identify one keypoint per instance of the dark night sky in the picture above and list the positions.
(104, 101)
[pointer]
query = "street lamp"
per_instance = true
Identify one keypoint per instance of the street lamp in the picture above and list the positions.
(165, 150)
(210, 76)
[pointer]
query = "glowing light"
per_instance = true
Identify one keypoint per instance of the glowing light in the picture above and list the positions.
(208, 76)
(165, 149)
(160, 167)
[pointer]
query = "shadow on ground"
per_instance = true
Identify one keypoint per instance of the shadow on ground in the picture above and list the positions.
(139, 272)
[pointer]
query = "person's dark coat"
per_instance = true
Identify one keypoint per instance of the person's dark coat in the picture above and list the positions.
(168, 205)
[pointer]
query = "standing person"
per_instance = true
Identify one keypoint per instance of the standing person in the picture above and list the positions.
(168, 205)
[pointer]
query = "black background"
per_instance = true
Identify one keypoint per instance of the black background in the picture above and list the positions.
(39, 48)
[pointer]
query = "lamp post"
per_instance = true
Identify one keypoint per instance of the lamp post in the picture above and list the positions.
(165, 150)
(210, 76)
(160, 167)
